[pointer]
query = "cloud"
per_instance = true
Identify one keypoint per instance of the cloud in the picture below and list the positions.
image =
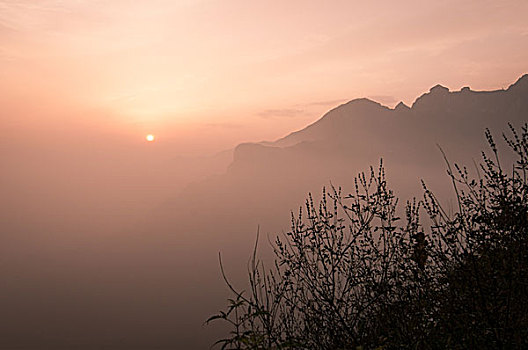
(299, 110)
(325, 103)
(384, 99)
(223, 125)
(281, 113)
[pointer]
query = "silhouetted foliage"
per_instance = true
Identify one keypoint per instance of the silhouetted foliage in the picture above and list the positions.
(352, 275)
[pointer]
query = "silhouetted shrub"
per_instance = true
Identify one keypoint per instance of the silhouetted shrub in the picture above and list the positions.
(351, 274)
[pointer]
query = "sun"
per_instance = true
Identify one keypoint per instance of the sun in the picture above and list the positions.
(149, 137)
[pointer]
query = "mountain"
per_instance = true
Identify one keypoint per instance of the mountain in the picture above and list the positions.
(357, 134)
(435, 108)
(437, 114)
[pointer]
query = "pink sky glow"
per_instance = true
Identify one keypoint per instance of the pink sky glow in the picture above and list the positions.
(202, 73)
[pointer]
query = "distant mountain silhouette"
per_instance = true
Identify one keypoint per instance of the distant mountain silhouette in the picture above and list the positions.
(363, 128)
(357, 134)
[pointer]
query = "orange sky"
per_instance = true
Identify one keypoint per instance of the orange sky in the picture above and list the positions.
(204, 72)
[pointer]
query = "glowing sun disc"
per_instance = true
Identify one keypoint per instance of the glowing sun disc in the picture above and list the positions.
(149, 137)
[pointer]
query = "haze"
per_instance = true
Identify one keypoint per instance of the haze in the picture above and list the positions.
(110, 241)
(264, 68)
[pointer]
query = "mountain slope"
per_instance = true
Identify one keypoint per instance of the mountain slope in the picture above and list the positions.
(431, 109)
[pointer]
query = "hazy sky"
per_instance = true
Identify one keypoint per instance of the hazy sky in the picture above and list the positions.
(202, 70)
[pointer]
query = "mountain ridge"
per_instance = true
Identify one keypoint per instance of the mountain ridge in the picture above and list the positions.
(436, 93)
(357, 134)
